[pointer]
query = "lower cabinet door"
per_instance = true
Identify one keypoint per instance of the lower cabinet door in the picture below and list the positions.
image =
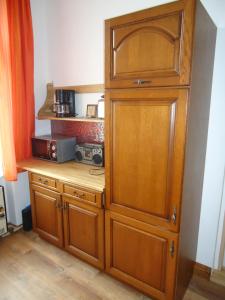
(84, 231)
(141, 255)
(47, 214)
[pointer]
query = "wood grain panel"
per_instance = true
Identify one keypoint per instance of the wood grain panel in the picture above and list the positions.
(145, 138)
(46, 214)
(68, 172)
(43, 181)
(87, 88)
(153, 45)
(139, 254)
(135, 44)
(84, 231)
(150, 249)
(78, 193)
(141, 151)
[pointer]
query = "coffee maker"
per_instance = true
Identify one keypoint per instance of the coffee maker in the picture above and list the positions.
(64, 103)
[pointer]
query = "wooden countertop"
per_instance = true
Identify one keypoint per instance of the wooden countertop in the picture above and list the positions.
(69, 171)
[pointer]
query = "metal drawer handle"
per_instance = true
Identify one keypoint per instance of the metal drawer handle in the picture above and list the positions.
(78, 195)
(39, 179)
(141, 81)
(45, 181)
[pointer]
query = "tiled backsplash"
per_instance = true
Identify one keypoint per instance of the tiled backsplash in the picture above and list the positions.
(85, 132)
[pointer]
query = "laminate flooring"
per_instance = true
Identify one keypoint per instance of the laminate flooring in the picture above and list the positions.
(32, 269)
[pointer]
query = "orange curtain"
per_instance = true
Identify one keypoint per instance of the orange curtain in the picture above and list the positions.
(16, 84)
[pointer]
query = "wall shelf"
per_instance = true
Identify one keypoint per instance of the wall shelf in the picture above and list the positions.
(71, 119)
(46, 113)
(90, 88)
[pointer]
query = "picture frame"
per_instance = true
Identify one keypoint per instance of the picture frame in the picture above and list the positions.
(92, 111)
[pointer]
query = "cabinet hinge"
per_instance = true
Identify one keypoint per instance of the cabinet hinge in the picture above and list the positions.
(172, 248)
(174, 216)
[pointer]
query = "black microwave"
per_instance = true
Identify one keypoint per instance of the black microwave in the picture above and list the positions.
(56, 148)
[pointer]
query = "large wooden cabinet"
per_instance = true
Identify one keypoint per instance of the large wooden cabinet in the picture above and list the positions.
(154, 169)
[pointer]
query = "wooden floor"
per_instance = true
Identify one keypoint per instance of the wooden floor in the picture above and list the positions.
(32, 269)
(219, 277)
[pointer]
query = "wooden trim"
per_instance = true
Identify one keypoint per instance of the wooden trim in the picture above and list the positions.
(74, 119)
(88, 88)
(202, 270)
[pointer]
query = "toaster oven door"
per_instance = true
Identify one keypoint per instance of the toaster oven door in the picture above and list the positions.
(41, 148)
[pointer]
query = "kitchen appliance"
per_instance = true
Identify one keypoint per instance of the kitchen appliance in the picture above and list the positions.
(56, 148)
(92, 154)
(64, 103)
(3, 219)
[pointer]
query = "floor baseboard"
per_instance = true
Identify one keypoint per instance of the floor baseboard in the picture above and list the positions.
(202, 270)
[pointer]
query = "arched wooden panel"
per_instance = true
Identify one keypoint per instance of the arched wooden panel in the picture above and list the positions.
(152, 47)
(144, 50)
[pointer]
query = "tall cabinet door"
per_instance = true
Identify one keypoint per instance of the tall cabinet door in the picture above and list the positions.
(152, 47)
(47, 214)
(145, 138)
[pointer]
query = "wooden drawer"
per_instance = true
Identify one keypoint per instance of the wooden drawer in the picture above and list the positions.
(83, 195)
(43, 181)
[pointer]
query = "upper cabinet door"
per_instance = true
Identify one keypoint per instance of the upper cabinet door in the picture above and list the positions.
(151, 47)
(145, 142)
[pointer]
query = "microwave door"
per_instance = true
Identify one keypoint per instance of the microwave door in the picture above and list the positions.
(41, 148)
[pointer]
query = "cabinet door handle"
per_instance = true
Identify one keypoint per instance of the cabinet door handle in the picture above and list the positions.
(172, 249)
(141, 81)
(174, 216)
(58, 205)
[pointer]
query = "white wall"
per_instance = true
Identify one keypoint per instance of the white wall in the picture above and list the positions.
(215, 160)
(69, 49)
(76, 37)
(216, 9)
(17, 197)
(41, 59)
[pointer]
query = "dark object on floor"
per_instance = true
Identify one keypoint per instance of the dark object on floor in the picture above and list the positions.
(27, 218)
